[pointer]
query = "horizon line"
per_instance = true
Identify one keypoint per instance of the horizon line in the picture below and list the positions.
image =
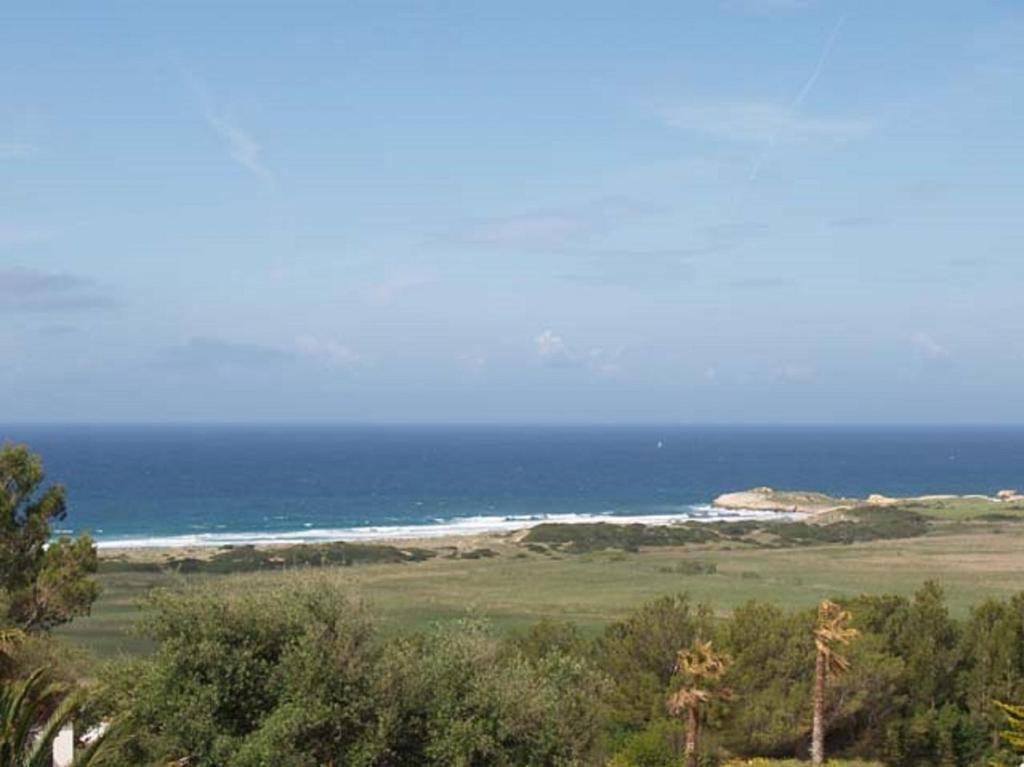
(340, 423)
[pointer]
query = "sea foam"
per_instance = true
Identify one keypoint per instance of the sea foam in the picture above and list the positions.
(474, 525)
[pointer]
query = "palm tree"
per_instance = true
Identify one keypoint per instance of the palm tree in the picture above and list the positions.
(702, 669)
(1014, 734)
(32, 713)
(832, 629)
(9, 640)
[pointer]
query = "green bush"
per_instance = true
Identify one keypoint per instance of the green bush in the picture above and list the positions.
(298, 675)
(241, 559)
(295, 673)
(660, 744)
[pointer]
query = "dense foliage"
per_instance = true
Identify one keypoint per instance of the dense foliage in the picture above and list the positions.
(299, 675)
(855, 525)
(44, 582)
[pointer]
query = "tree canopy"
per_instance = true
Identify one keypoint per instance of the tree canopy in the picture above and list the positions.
(44, 581)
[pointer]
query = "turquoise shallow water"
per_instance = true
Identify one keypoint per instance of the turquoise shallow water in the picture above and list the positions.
(217, 484)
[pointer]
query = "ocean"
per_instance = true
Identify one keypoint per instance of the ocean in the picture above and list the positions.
(216, 485)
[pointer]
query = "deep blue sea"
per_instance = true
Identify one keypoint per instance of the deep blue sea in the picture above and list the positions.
(231, 484)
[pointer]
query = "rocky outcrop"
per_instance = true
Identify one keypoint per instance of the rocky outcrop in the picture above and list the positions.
(796, 501)
(792, 501)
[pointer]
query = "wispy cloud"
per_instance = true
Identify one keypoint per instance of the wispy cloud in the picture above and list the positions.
(12, 236)
(929, 347)
(858, 222)
(658, 267)
(767, 6)
(23, 289)
(793, 373)
(395, 285)
(629, 269)
(242, 148)
(797, 104)
(474, 362)
(606, 362)
(725, 236)
(327, 350)
(560, 227)
(760, 283)
(764, 122)
(56, 330)
(225, 356)
(16, 151)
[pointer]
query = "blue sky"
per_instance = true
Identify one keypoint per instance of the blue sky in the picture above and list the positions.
(726, 211)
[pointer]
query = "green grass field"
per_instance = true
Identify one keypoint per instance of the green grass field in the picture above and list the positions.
(522, 585)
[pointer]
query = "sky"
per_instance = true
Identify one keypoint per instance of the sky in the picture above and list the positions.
(714, 211)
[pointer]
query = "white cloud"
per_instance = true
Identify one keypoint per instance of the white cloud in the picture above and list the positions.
(764, 122)
(242, 148)
(327, 350)
(929, 347)
(555, 352)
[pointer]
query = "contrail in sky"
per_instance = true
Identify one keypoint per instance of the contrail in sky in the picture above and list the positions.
(802, 95)
(826, 51)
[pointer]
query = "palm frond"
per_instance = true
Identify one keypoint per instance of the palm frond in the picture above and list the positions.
(833, 629)
(702, 667)
(1014, 735)
(39, 752)
(10, 638)
(96, 749)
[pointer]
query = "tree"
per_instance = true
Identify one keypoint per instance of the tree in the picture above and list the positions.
(638, 654)
(10, 639)
(832, 629)
(1014, 734)
(992, 664)
(43, 582)
(772, 670)
(928, 644)
(702, 670)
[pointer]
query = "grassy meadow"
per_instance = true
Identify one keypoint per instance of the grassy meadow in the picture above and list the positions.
(515, 583)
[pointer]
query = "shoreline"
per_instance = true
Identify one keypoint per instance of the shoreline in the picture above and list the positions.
(762, 503)
(433, 535)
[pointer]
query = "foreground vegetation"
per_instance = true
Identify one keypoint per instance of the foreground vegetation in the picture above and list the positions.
(298, 673)
(251, 657)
